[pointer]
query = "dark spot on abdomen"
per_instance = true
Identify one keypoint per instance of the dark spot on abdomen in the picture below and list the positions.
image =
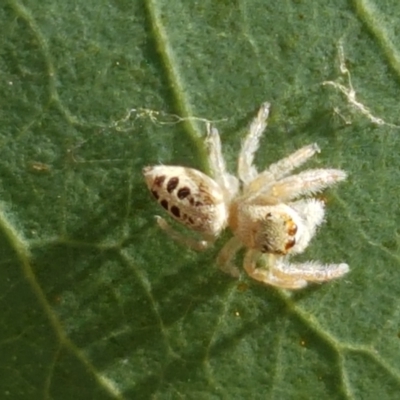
(172, 184)
(175, 211)
(183, 192)
(159, 180)
(164, 203)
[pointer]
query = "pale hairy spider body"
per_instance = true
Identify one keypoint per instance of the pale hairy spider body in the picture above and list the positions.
(191, 197)
(272, 214)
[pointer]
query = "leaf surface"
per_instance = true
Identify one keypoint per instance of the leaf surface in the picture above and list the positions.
(96, 301)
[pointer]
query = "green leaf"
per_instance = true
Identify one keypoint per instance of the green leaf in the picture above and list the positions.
(97, 303)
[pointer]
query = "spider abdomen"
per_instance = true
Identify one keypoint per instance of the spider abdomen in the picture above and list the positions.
(189, 196)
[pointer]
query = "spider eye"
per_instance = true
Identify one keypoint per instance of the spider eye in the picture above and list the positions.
(291, 227)
(290, 244)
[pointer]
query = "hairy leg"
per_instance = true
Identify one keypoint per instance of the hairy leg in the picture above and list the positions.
(198, 245)
(305, 183)
(228, 182)
(283, 167)
(246, 171)
(226, 256)
(311, 271)
(312, 213)
(267, 276)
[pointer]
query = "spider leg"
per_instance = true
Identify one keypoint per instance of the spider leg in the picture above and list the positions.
(283, 167)
(228, 182)
(305, 183)
(309, 271)
(198, 245)
(227, 254)
(312, 213)
(267, 275)
(246, 171)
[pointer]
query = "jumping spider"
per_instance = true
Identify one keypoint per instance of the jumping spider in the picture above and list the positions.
(271, 213)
